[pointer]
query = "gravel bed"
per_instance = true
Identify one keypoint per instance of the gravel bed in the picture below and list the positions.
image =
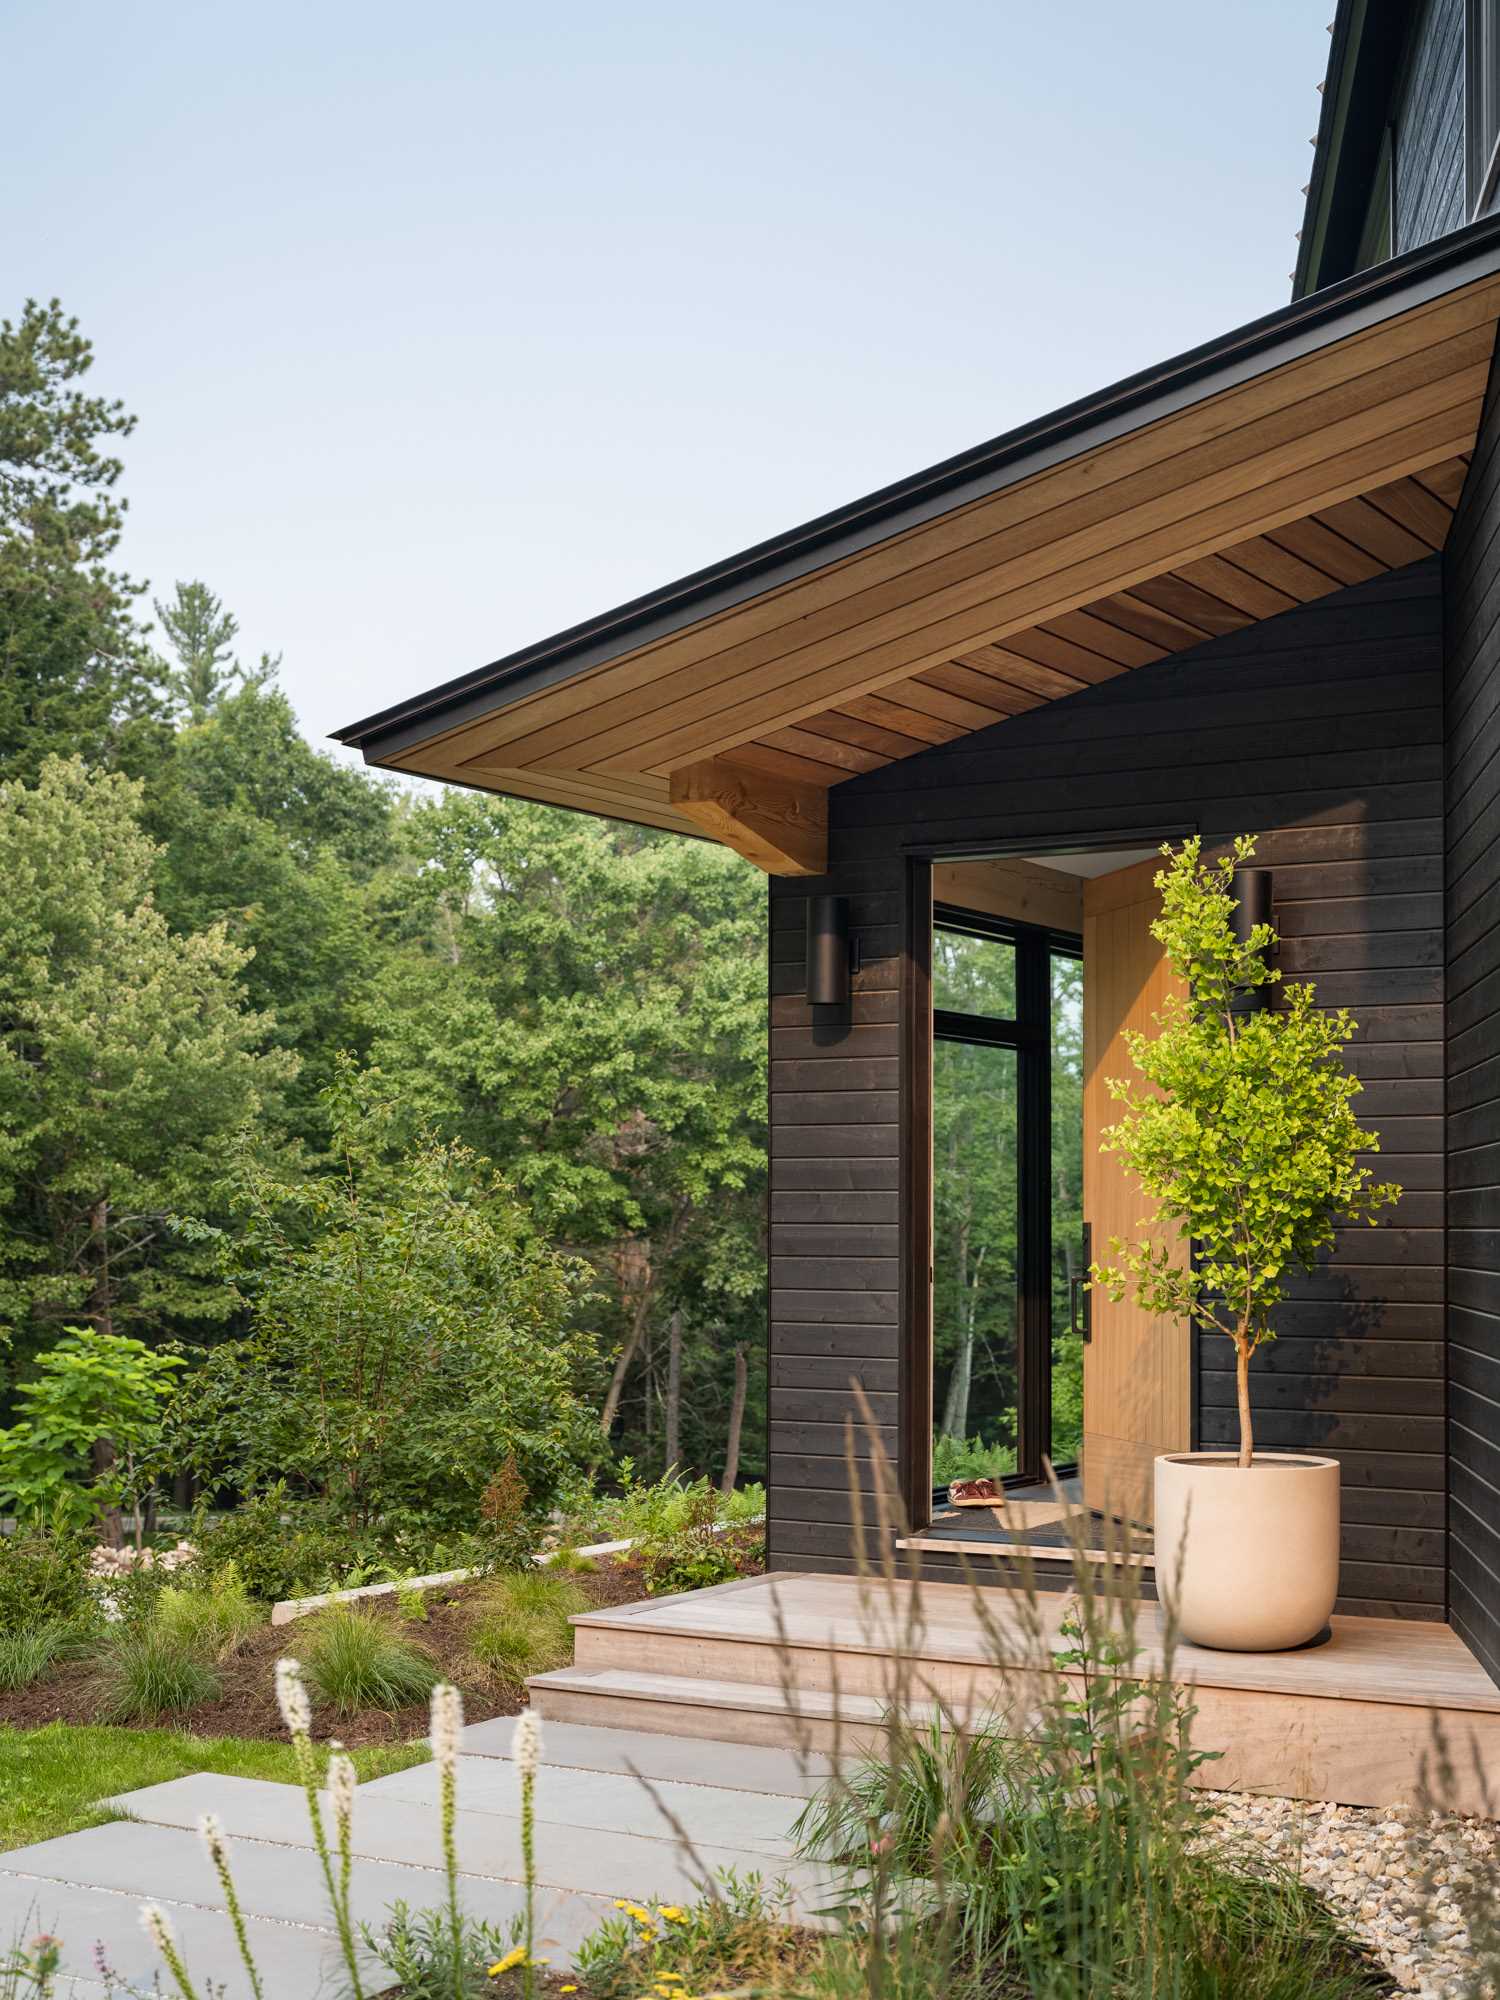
(1405, 1881)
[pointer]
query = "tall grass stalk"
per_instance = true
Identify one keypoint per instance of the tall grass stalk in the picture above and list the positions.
(216, 1846)
(447, 1718)
(526, 1753)
(158, 1927)
(296, 1716)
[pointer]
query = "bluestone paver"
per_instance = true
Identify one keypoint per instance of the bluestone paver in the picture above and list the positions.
(601, 1834)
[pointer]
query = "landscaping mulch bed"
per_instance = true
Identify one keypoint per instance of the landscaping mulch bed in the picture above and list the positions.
(247, 1704)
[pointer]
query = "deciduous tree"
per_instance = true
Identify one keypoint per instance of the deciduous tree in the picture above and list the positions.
(127, 1060)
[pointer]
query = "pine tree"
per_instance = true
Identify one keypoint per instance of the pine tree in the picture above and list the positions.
(75, 677)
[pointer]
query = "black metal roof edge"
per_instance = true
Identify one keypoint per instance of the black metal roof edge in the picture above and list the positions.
(1371, 40)
(1303, 325)
(1348, 15)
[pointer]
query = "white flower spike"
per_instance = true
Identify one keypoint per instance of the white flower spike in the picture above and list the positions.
(215, 1840)
(158, 1927)
(342, 1779)
(291, 1698)
(447, 1722)
(526, 1743)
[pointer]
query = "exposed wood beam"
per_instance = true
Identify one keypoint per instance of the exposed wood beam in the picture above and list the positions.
(779, 823)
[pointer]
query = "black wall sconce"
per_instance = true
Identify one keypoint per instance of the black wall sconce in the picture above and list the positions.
(1252, 886)
(832, 953)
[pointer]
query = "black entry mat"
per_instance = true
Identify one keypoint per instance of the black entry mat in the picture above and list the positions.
(978, 1524)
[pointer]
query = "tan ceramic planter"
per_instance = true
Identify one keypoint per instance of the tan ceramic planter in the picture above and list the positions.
(1249, 1557)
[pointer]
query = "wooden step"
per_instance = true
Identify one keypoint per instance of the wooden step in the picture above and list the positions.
(747, 1712)
(602, 1640)
(1350, 1720)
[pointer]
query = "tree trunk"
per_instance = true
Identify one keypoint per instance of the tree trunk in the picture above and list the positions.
(111, 1520)
(101, 1312)
(643, 1300)
(961, 1381)
(1242, 1387)
(736, 1420)
(674, 1393)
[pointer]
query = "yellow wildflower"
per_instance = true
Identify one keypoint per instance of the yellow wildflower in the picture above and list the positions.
(510, 1961)
(673, 1915)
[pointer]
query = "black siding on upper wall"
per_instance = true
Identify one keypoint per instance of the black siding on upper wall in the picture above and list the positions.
(1319, 730)
(1472, 606)
(1429, 121)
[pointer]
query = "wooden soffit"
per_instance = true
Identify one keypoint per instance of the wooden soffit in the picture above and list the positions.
(1183, 510)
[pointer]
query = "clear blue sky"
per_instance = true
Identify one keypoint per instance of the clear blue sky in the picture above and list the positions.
(449, 325)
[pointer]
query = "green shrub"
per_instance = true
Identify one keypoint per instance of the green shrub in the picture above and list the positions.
(745, 1503)
(521, 1627)
(147, 1673)
(970, 1458)
(694, 1552)
(411, 1329)
(276, 1549)
(211, 1621)
(428, 1959)
(28, 1654)
(44, 1576)
(354, 1659)
(652, 1510)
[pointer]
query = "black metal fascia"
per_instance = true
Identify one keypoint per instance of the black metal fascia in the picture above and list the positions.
(1303, 327)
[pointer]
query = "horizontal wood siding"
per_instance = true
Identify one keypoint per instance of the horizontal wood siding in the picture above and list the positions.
(1472, 615)
(1321, 731)
(835, 1223)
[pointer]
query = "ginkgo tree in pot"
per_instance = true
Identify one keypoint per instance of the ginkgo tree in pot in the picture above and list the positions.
(1241, 1129)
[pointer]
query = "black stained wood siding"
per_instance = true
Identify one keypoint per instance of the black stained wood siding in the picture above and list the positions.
(1319, 730)
(1429, 119)
(1472, 609)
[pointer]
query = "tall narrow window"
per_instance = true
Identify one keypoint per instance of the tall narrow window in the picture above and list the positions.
(1007, 1095)
(1482, 102)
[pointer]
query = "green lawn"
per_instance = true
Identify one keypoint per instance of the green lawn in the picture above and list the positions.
(52, 1779)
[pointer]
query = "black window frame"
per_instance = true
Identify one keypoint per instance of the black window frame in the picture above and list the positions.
(1029, 1033)
(1481, 103)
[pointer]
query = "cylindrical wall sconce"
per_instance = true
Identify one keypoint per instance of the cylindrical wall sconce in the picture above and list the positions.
(828, 951)
(1252, 887)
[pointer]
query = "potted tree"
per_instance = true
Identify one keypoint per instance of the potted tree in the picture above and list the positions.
(1242, 1132)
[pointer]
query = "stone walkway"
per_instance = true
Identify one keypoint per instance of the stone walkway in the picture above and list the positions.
(601, 1834)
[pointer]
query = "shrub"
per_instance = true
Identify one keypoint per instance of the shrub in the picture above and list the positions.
(428, 1958)
(148, 1673)
(694, 1552)
(411, 1330)
(507, 1524)
(275, 1549)
(211, 1621)
(970, 1458)
(745, 1503)
(355, 1660)
(44, 1576)
(28, 1654)
(521, 1627)
(89, 1385)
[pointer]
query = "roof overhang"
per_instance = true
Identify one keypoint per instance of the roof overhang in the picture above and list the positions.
(1315, 447)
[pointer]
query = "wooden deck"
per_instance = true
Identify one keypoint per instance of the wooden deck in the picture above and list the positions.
(790, 1658)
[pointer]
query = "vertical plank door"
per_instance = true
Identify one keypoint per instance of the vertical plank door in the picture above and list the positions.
(1136, 1369)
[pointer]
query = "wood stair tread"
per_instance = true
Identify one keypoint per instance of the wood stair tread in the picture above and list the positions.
(696, 1692)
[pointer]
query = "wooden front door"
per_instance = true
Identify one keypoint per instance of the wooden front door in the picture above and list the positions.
(1136, 1369)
